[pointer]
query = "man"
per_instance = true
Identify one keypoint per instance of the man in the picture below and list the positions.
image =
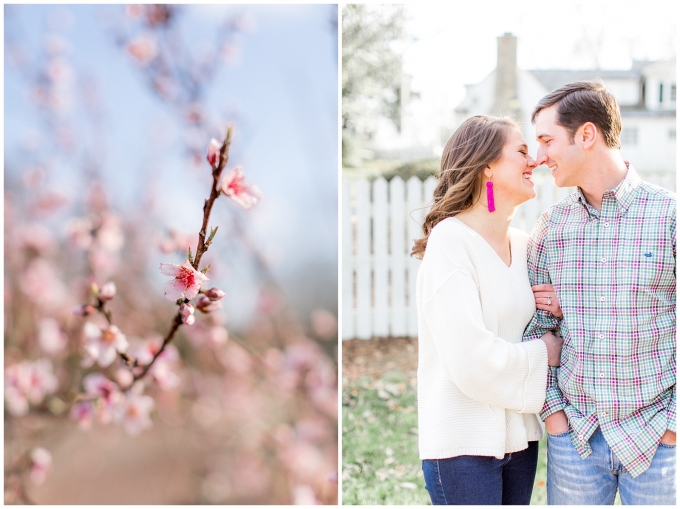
(609, 252)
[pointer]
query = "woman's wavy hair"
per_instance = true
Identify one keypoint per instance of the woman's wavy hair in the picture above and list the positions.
(477, 143)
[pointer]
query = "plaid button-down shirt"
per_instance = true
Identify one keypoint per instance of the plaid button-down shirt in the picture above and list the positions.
(614, 275)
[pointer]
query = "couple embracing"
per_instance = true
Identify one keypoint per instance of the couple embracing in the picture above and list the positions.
(573, 325)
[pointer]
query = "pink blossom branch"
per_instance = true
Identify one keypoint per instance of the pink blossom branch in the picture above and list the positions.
(202, 246)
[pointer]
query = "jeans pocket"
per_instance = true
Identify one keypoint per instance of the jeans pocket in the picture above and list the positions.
(565, 433)
(666, 446)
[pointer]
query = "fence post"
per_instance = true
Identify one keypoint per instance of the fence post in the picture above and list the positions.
(348, 243)
(397, 258)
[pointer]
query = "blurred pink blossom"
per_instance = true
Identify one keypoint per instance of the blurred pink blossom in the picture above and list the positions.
(103, 346)
(143, 49)
(28, 382)
(41, 464)
(42, 285)
(134, 413)
(324, 324)
(51, 338)
(83, 413)
(304, 495)
(108, 291)
(214, 152)
(108, 394)
(83, 310)
(233, 187)
(187, 281)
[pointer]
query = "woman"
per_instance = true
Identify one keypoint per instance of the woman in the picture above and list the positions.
(479, 385)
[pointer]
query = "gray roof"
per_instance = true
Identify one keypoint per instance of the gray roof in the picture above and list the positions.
(555, 78)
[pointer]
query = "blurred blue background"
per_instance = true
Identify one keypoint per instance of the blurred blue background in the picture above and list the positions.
(279, 86)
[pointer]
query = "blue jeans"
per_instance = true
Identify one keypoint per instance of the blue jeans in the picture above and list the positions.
(482, 480)
(594, 480)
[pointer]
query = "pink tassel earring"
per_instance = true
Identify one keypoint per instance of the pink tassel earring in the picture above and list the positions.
(489, 196)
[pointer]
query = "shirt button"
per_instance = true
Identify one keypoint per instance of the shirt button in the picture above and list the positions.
(604, 260)
(580, 437)
(601, 336)
(606, 225)
(602, 299)
(601, 375)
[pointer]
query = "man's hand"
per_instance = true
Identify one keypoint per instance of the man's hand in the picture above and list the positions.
(667, 438)
(557, 423)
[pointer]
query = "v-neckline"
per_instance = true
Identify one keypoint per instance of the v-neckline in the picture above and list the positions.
(512, 258)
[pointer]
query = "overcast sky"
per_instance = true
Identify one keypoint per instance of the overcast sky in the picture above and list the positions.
(456, 41)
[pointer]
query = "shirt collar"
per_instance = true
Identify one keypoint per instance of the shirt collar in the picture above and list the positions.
(624, 192)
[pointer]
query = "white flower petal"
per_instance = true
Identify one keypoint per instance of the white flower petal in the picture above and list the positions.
(169, 269)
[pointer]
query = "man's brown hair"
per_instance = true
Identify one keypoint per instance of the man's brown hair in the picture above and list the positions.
(585, 101)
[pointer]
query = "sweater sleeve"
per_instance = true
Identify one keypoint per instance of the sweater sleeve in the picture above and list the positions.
(484, 367)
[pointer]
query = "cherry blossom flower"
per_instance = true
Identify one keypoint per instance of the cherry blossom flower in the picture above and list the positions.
(103, 346)
(41, 463)
(134, 412)
(107, 395)
(233, 187)
(214, 152)
(187, 281)
(108, 291)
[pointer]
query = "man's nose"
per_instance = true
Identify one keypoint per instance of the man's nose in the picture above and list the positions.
(541, 158)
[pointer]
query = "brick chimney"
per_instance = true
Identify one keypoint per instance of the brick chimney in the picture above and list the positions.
(506, 100)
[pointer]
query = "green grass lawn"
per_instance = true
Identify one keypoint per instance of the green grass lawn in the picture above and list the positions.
(380, 463)
(380, 444)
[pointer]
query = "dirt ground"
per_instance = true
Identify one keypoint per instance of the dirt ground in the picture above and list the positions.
(375, 357)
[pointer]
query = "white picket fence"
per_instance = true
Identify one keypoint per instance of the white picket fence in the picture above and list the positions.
(380, 221)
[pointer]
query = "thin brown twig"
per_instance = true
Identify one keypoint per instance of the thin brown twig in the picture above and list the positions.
(201, 248)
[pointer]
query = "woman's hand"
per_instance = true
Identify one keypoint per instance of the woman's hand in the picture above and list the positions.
(554, 346)
(546, 299)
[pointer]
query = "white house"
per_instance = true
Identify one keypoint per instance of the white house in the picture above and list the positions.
(646, 94)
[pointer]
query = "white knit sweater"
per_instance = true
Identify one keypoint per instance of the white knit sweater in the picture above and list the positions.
(479, 386)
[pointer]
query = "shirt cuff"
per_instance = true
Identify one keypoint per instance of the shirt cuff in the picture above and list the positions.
(554, 401)
(670, 425)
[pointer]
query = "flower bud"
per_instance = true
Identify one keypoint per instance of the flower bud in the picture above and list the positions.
(214, 294)
(189, 319)
(83, 310)
(186, 310)
(214, 152)
(205, 305)
(108, 291)
(94, 288)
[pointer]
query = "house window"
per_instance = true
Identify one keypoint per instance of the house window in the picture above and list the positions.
(660, 92)
(629, 136)
(673, 92)
(671, 133)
